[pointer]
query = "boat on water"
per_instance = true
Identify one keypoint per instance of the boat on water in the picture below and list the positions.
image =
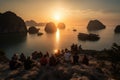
(39, 33)
(74, 30)
(89, 37)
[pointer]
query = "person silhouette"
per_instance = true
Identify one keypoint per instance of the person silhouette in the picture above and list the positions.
(75, 59)
(85, 60)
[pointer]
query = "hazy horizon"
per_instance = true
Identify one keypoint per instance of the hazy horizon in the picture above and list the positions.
(68, 11)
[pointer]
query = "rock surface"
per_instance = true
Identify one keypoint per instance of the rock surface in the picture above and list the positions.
(50, 27)
(62, 71)
(3, 57)
(95, 25)
(61, 26)
(11, 23)
(101, 67)
(117, 29)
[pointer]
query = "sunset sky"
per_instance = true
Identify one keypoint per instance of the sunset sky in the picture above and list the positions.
(69, 11)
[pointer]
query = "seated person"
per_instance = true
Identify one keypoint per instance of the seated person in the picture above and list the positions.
(44, 60)
(22, 57)
(34, 55)
(14, 64)
(28, 64)
(52, 61)
(15, 56)
(39, 55)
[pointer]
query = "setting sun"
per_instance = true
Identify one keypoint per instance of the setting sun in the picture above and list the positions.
(57, 16)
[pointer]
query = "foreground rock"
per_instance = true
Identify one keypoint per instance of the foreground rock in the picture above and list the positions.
(61, 26)
(103, 65)
(50, 27)
(11, 23)
(62, 71)
(3, 58)
(90, 37)
(95, 25)
(33, 30)
(117, 29)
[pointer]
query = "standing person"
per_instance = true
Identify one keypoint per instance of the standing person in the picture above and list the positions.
(85, 60)
(72, 47)
(67, 56)
(75, 58)
(47, 54)
(62, 52)
(80, 48)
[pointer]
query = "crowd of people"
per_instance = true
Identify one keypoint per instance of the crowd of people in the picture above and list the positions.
(40, 59)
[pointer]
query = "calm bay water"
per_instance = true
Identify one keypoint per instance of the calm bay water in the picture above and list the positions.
(60, 40)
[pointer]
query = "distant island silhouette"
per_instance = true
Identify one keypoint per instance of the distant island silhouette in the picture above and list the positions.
(34, 23)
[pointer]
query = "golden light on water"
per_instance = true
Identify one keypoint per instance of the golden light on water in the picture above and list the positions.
(55, 51)
(57, 35)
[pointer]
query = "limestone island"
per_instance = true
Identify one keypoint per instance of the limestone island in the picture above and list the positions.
(61, 26)
(33, 30)
(11, 23)
(95, 25)
(50, 27)
(117, 29)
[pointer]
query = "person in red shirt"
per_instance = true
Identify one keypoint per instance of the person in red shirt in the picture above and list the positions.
(44, 60)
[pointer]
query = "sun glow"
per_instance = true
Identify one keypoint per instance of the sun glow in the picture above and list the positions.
(57, 16)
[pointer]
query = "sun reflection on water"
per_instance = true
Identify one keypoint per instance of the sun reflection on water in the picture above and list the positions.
(57, 35)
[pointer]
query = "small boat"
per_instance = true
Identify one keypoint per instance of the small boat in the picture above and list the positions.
(39, 33)
(90, 37)
(74, 30)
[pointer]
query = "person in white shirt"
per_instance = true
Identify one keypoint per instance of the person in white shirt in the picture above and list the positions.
(67, 56)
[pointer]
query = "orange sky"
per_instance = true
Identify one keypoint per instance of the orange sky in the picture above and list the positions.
(69, 11)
